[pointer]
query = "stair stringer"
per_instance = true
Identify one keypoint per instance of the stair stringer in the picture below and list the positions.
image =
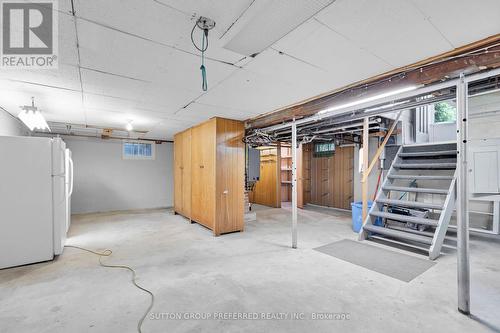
(363, 235)
(444, 220)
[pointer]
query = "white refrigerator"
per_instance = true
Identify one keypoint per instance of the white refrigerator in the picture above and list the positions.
(35, 186)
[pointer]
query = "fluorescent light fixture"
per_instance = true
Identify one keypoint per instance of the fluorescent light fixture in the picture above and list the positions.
(386, 106)
(129, 126)
(369, 99)
(32, 117)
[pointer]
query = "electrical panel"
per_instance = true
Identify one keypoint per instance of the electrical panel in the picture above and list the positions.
(253, 174)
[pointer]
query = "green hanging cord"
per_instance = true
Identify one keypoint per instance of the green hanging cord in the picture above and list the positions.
(204, 84)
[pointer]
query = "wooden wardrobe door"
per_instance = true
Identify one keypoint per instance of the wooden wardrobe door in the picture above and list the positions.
(178, 142)
(186, 173)
(202, 171)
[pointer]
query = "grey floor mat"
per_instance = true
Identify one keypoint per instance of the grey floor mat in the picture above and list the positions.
(397, 265)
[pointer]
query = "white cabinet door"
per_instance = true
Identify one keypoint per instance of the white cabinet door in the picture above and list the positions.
(485, 171)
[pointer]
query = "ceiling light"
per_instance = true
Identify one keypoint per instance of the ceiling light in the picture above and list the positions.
(32, 117)
(369, 99)
(129, 126)
(386, 106)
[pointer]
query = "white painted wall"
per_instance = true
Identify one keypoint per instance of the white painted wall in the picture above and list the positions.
(106, 182)
(10, 126)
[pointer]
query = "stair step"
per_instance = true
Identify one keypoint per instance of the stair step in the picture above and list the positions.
(405, 218)
(398, 234)
(416, 232)
(420, 177)
(425, 165)
(429, 153)
(411, 204)
(415, 189)
(384, 240)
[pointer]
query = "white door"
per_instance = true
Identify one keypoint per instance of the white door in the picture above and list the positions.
(69, 185)
(59, 194)
(26, 229)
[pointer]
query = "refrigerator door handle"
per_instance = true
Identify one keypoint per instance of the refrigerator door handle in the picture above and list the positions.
(71, 181)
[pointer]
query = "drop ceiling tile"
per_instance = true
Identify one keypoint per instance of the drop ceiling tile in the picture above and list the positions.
(162, 23)
(181, 70)
(250, 93)
(395, 31)
(304, 79)
(462, 22)
(344, 61)
(140, 120)
(67, 51)
(65, 77)
(111, 51)
(55, 104)
(198, 112)
(268, 21)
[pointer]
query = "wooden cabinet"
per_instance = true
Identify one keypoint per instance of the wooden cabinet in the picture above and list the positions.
(182, 173)
(217, 162)
(267, 189)
(203, 173)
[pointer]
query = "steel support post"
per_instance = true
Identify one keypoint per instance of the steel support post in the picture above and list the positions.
(463, 265)
(294, 184)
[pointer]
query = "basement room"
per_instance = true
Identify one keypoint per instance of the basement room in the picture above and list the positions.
(249, 166)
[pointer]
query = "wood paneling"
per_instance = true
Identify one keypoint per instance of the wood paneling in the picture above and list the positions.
(186, 173)
(331, 179)
(306, 172)
(230, 184)
(182, 173)
(266, 190)
(203, 173)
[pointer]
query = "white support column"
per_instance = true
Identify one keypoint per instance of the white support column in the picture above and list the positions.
(294, 184)
(463, 265)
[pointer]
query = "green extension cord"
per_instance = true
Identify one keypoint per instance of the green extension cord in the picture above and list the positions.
(204, 84)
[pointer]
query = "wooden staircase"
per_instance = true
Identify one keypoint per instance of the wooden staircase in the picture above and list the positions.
(417, 198)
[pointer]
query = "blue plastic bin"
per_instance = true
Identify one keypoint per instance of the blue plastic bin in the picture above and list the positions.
(357, 215)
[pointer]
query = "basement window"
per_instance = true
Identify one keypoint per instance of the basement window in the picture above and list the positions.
(138, 150)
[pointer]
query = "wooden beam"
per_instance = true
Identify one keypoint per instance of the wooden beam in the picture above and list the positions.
(474, 57)
(364, 183)
(381, 148)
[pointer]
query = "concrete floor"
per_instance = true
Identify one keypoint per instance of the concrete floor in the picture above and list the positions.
(256, 271)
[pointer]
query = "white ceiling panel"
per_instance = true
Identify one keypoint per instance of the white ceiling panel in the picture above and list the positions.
(65, 76)
(182, 70)
(304, 79)
(164, 23)
(141, 121)
(462, 22)
(138, 61)
(118, 53)
(271, 20)
(67, 40)
(54, 103)
(225, 13)
(166, 129)
(250, 92)
(395, 31)
(344, 60)
(198, 112)
(166, 99)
